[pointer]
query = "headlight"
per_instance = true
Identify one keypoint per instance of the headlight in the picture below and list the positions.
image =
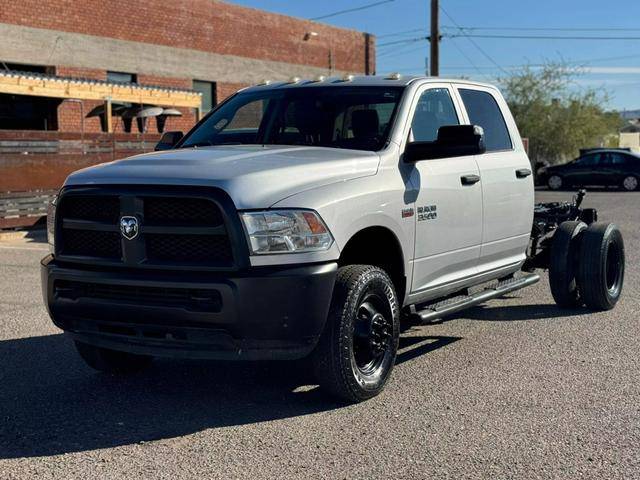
(51, 223)
(284, 231)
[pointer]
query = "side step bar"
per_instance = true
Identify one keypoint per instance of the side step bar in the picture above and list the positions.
(434, 311)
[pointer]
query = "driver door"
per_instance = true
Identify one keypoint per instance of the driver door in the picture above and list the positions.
(448, 207)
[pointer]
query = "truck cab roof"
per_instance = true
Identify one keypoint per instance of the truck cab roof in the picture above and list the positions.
(358, 80)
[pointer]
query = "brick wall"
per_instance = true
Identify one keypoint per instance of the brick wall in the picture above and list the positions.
(207, 25)
(70, 113)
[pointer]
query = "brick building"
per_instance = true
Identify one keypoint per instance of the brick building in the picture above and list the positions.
(172, 49)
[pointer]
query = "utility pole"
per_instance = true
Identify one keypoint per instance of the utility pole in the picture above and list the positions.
(434, 40)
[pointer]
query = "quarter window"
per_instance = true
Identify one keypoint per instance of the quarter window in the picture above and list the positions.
(619, 159)
(434, 110)
(483, 110)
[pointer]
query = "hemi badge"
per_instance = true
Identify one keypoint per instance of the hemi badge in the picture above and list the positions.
(407, 212)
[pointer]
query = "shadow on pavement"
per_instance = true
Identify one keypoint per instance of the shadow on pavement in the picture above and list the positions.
(412, 347)
(506, 313)
(36, 235)
(51, 403)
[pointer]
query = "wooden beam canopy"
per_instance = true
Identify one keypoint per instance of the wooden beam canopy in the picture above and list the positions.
(20, 83)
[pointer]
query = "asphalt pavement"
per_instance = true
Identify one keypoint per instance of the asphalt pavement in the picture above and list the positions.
(514, 388)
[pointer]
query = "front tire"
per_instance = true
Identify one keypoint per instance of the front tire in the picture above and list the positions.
(112, 361)
(357, 351)
(601, 268)
(555, 182)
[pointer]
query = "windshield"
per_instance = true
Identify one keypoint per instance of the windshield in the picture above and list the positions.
(351, 117)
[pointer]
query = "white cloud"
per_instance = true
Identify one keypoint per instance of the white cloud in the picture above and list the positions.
(611, 70)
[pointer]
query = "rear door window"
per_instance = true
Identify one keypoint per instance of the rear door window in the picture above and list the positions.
(483, 110)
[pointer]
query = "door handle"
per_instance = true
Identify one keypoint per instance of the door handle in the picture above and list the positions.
(523, 172)
(469, 179)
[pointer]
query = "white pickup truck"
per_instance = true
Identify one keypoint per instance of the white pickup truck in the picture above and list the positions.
(307, 219)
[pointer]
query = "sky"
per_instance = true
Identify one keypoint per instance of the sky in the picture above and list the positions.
(611, 66)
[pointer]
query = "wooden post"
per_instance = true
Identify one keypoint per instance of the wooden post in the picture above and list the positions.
(108, 116)
(434, 39)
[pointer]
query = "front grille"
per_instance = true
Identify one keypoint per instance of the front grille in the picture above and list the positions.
(174, 230)
(92, 244)
(193, 299)
(181, 211)
(83, 207)
(188, 248)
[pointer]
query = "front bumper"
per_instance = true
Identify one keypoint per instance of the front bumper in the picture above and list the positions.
(263, 313)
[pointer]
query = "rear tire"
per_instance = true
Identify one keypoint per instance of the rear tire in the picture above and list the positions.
(601, 267)
(630, 183)
(562, 267)
(112, 361)
(555, 182)
(356, 353)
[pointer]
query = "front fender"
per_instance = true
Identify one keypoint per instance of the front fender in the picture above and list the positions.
(351, 206)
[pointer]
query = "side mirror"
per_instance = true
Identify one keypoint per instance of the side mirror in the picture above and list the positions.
(452, 141)
(168, 140)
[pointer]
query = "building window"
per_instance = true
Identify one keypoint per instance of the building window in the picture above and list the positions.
(121, 77)
(208, 91)
(23, 112)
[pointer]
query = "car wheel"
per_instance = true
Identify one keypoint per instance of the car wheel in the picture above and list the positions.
(601, 266)
(630, 183)
(555, 182)
(562, 266)
(356, 353)
(112, 361)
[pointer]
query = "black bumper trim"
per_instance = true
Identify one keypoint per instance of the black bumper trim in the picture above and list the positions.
(265, 312)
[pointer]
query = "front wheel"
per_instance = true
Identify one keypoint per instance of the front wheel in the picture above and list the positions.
(357, 350)
(555, 182)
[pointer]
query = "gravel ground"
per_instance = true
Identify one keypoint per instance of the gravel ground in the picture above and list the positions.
(511, 389)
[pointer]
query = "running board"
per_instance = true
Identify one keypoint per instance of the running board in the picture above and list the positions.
(437, 310)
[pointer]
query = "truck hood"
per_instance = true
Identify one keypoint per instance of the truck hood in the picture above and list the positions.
(254, 176)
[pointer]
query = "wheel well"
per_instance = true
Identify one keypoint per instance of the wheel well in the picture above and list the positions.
(380, 247)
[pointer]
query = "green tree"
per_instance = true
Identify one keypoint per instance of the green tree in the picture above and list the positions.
(556, 116)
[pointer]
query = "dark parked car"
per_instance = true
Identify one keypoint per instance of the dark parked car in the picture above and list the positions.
(605, 167)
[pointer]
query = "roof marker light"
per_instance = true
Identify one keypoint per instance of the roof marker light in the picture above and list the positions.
(393, 76)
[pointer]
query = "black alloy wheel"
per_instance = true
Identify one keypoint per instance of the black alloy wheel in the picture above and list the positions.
(357, 350)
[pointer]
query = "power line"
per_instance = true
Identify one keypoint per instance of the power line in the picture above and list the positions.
(400, 51)
(537, 37)
(355, 9)
(486, 55)
(399, 34)
(578, 63)
(547, 29)
(455, 44)
(400, 42)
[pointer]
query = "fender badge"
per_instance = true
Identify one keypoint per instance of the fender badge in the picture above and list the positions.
(407, 212)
